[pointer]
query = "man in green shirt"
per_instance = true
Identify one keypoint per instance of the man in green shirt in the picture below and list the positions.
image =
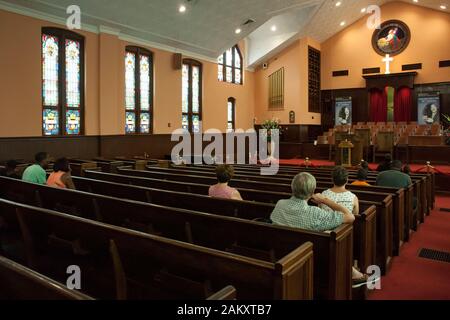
(394, 178)
(36, 173)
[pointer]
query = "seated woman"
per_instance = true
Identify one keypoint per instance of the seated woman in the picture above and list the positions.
(297, 213)
(60, 177)
(224, 173)
(361, 178)
(338, 193)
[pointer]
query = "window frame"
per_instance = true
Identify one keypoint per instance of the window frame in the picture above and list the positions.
(62, 108)
(191, 63)
(233, 113)
(233, 67)
(138, 51)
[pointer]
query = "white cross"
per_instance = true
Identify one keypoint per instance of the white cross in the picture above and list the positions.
(388, 61)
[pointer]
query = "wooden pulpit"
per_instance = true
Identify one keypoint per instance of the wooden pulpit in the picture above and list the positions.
(345, 153)
(357, 150)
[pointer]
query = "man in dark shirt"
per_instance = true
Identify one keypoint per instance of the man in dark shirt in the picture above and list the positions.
(11, 170)
(394, 177)
(386, 165)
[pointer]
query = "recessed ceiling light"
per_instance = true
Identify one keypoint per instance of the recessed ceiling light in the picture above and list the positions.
(238, 30)
(415, 1)
(363, 10)
(182, 8)
(342, 23)
(274, 28)
(443, 7)
(338, 3)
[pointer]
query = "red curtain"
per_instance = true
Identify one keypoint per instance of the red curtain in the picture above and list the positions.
(403, 104)
(378, 105)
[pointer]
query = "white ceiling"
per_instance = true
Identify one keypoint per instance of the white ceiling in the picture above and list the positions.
(206, 29)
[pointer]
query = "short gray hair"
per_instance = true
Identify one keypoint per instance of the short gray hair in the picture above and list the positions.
(303, 185)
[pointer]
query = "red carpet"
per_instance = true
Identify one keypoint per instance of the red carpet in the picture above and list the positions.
(373, 166)
(414, 278)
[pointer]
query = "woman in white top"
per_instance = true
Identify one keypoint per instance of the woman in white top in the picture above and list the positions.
(349, 200)
(339, 193)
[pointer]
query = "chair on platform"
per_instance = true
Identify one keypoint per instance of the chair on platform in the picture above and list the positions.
(322, 140)
(384, 144)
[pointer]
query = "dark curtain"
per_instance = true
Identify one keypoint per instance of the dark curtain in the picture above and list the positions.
(403, 104)
(378, 105)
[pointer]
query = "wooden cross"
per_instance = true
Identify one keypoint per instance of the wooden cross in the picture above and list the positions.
(388, 61)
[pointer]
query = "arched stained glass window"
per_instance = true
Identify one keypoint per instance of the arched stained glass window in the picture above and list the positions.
(191, 95)
(62, 82)
(230, 66)
(138, 91)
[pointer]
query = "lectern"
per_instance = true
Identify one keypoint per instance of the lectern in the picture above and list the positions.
(357, 150)
(345, 152)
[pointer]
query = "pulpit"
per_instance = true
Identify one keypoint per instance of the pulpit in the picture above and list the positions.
(345, 153)
(357, 149)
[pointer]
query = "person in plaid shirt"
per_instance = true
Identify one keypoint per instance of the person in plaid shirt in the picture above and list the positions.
(296, 212)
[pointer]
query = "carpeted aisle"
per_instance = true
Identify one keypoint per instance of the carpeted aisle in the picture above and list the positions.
(411, 277)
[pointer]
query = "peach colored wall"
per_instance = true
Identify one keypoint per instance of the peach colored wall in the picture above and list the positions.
(20, 77)
(352, 49)
(20, 85)
(294, 59)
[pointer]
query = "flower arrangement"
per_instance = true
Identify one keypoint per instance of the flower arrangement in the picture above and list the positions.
(273, 124)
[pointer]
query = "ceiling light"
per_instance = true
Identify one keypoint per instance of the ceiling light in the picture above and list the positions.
(415, 1)
(274, 28)
(182, 8)
(363, 10)
(238, 30)
(338, 3)
(342, 23)
(443, 7)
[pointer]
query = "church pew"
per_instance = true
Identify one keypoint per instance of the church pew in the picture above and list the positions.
(385, 213)
(403, 203)
(217, 232)
(399, 196)
(136, 164)
(364, 226)
(384, 229)
(21, 283)
(151, 265)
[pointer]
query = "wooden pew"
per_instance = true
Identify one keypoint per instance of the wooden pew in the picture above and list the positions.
(21, 283)
(323, 180)
(364, 226)
(384, 205)
(382, 208)
(213, 231)
(151, 264)
(79, 166)
(403, 213)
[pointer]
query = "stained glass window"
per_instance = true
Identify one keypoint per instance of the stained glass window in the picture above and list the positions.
(191, 95)
(50, 68)
(230, 66)
(72, 73)
(50, 122)
(73, 122)
(62, 82)
(138, 90)
(130, 122)
(145, 123)
(130, 80)
(231, 110)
